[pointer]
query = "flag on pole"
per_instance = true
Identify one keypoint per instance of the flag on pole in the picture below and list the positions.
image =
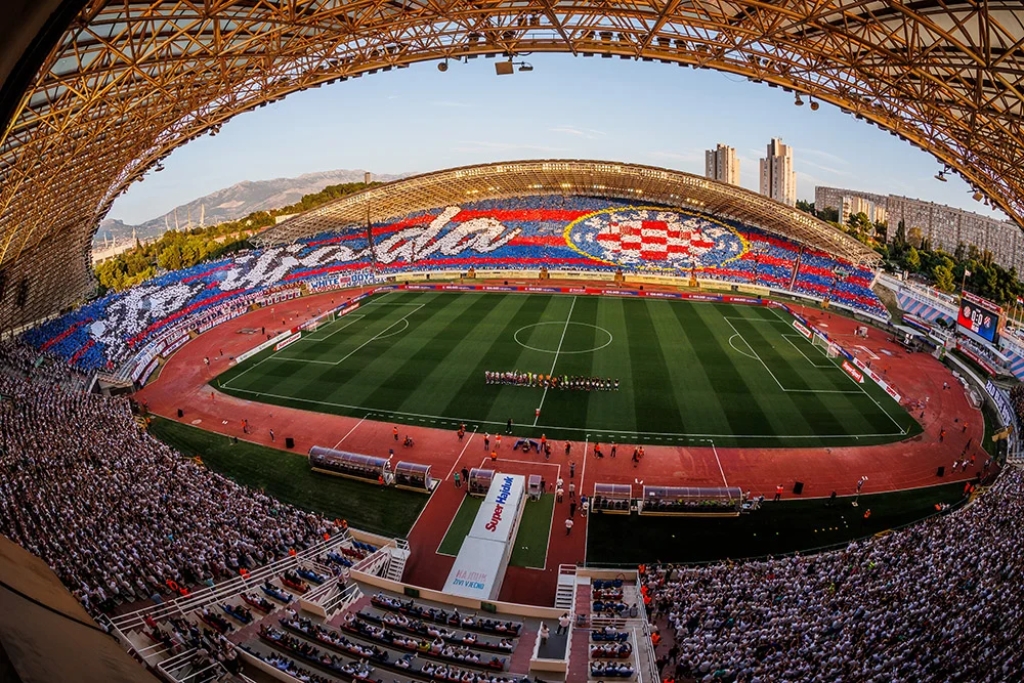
(967, 273)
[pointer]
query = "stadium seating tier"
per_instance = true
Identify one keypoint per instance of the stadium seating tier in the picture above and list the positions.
(526, 233)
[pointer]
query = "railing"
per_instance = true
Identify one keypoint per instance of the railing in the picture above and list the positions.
(374, 562)
(645, 657)
(946, 306)
(341, 599)
(223, 590)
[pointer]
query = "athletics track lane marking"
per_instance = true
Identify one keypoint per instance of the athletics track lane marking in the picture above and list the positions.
(437, 550)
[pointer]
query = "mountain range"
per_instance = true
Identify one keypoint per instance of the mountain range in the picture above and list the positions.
(231, 203)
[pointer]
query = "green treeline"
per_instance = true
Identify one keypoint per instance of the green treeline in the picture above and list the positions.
(909, 250)
(180, 249)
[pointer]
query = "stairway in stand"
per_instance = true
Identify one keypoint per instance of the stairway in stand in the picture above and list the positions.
(579, 646)
(566, 591)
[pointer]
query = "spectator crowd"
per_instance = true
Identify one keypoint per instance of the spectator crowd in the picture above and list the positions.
(118, 515)
(942, 601)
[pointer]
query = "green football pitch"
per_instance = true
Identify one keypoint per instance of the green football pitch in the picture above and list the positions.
(688, 372)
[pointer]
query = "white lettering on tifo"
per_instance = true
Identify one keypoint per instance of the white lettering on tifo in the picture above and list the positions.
(134, 311)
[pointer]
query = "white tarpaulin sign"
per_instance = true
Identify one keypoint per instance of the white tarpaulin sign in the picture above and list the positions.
(476, 569)
(497, 516)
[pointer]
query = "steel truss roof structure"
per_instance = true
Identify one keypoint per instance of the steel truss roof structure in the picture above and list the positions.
(642, 185)
(129, 81)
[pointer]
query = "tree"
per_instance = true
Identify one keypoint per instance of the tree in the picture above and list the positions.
(175, 250)
(915, 237)
(944, 278)
(912, 260)
(829, 215)
(806, 207)
(900, 238)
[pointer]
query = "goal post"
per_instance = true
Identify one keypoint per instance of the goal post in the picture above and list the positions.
(828, 348)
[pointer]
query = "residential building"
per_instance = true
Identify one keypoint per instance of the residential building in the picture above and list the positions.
(721, 164)
(943, 227)
(778, 180)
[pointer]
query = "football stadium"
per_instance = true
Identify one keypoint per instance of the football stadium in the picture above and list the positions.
(538, 420)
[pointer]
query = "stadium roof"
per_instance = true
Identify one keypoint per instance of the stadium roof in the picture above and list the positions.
(46, 634)
(96, 92)
(639, 184)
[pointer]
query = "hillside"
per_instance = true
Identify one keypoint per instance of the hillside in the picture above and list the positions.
(233, 202)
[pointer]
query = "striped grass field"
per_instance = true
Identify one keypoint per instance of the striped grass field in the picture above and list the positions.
(688, 372)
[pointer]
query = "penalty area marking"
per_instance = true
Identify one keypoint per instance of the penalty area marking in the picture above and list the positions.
(383, 334)
(828, 363)
(739, 350)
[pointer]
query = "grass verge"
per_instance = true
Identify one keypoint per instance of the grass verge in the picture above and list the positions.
(531, 543)
(451, 544)
(287, 477)
(777, 528)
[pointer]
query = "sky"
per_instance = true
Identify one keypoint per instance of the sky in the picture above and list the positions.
(419, 119)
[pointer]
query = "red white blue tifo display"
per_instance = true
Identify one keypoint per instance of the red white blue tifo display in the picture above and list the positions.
(527, 233)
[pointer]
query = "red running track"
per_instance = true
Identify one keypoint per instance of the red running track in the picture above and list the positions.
(183, 383)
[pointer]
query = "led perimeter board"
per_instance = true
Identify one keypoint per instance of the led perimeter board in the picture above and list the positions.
(979, 319)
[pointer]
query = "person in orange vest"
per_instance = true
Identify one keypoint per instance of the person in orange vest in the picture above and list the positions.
(394, 432)
(655, 638)
(778, 493)
(494, 456)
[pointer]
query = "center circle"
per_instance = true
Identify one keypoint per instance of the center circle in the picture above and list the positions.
(558, 341)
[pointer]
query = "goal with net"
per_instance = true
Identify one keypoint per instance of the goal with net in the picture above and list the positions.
(825, 346)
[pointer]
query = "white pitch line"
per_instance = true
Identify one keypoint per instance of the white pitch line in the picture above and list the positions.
(536, 415)
(719, 461)
(583, 474)
(562, 428)
(828, 364)
(756, 354)
(349, 432)
(456, 463)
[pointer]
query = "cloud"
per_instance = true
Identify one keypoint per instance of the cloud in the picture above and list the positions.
(827, 169)
(827, 157)
(688, 156)
(587, 133)
(486, 146)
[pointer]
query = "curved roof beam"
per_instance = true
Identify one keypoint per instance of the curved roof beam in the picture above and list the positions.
(130, 81)
(641, 185)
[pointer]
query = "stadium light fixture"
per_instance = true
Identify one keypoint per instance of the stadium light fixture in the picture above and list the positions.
(977, 196)
(798, 102)
(523, 66)
(815, 105)
(941, 175)
(442, 66)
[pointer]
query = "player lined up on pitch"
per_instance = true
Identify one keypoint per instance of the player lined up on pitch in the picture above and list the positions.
(533, 379)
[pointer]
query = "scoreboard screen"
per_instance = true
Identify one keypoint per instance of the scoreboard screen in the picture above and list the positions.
(979, 318)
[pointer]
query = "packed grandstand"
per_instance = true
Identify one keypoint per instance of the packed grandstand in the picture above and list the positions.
(528, 233)
(125, 521)
(121, 517)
